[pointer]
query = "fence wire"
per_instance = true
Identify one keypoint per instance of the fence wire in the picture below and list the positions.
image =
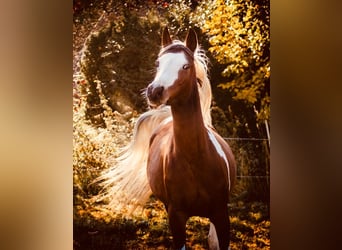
(249, 139)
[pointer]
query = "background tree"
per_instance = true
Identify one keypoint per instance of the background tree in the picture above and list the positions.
(239, 40)
(239, 37)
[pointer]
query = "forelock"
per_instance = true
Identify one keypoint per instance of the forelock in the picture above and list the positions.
(176, 48)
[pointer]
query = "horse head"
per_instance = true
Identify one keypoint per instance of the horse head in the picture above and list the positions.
(175, 70)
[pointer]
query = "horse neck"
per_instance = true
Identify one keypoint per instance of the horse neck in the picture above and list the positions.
(188, 126)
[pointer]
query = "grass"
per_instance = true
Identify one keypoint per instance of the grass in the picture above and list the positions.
(95, 229)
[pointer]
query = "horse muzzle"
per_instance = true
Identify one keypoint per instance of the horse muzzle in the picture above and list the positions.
(155, 95)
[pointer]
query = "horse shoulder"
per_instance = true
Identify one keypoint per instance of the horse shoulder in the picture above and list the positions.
(161, 132)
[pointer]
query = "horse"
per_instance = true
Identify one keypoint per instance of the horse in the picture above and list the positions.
(125, 184)
(125, 187)
(190, 168)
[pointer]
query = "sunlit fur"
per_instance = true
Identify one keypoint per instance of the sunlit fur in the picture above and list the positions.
(125, 183)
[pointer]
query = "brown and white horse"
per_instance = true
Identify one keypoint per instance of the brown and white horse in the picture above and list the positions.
(125, 184)
(182, 140)
(190, 168)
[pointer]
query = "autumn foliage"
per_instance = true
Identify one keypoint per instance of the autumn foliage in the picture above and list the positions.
(240, 39)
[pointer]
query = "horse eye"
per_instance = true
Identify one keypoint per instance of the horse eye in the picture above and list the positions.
(186, 66)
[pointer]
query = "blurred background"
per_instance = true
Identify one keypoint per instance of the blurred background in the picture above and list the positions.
(36, 108)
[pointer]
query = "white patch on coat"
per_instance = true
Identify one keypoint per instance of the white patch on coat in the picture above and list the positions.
(220, 152)
(212, 238)
(169, 65)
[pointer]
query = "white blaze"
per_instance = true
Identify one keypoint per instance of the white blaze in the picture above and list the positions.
(219, 151)
(169, 65)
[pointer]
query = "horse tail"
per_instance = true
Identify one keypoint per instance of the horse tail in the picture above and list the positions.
(125, 183)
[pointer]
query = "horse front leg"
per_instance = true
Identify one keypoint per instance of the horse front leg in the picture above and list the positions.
(177, 222)
(222, 225)
(213, 242)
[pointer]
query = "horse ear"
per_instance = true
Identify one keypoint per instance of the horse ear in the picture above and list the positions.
(191, 40)
(166, 39)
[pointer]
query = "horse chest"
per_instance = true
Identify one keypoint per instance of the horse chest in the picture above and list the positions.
(189, 186)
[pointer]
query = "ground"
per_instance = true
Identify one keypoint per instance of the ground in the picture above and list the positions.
(250, 229)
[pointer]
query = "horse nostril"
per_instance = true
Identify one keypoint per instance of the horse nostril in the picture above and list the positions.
(158, 92)
(154, 94)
